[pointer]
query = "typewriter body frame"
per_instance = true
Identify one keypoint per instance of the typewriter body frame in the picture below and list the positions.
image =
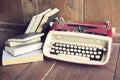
(60, 30)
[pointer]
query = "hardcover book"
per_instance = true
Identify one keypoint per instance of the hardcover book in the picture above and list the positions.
(26, 37)
(16, 43)
(8, 59)
(23, 49)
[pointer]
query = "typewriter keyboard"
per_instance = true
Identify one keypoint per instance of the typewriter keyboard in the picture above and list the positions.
(91, 52)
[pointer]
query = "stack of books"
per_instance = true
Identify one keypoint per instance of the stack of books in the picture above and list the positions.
(22, 49)
(27, 47)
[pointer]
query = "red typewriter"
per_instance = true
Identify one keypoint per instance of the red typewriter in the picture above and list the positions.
(79, 42)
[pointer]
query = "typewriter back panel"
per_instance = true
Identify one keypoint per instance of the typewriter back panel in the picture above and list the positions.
(90, 44)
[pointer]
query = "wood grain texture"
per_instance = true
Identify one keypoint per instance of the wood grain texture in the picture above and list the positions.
(103, 10)
(59, 71)
(69, 9)
(29, 9)
(68, 71)
(117, 72)
(36, 70)
(115, 16)
(42, 5)
(10, 11)
(12, 72)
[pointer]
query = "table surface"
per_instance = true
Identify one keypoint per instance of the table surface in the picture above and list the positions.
(50, 69)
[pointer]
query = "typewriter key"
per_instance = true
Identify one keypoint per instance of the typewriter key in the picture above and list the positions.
(60, 44)
(68, 53)
(86, 48)
(75, 50)
(68, 45)
(104, 49)
(87, 52)
(94, 53)
(94, 49)
(67, 49)
(83, 51)
(97, 56)
(91, 52)
(52, 50)
(56, 44)
(92, 56)
(76, 54)
(79, 47)
(84, 55)
(60, 48)
(64, 49)
(57, 51)
(71, 49)
(88, 55)
(90, 48)
(99, 52)
(53, 47)
(64, 52)
(64, 45)
(72, 53)
(83, 47)
(79, 50)
(75, 46)
(56, 48)
(71, 46)
(80, 54)
(61, 52)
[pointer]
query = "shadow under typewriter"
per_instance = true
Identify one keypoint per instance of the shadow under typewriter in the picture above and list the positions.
(78, 47)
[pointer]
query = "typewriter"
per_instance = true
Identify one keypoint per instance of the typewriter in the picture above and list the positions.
(79, 42)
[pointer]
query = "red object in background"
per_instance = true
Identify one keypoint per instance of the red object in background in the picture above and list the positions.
(87, 27)
(57, 26)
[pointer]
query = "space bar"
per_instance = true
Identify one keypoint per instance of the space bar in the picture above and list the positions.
(73, 58)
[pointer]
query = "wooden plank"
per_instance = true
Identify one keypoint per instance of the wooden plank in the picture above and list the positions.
(10, 11)
(12, 72)
(98, 10)
(117, 73)
(69, 71)
(69, 9)
(116, 37)
(37, 70)
(42, 5)
(115, 16)
(59, 71)
(103, 10)
(28, 9)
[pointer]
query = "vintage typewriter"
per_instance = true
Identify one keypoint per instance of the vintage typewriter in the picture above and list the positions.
(79, 42)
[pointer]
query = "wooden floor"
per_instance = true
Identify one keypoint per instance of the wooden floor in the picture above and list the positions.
(57, 70)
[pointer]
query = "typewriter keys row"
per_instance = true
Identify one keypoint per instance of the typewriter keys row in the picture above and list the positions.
(77, 50)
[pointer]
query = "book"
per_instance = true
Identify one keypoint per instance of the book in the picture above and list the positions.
(48, 17)
(18, 43)
(31, 24)
(34, 56)
(23, 49)
(38, 20)
(26, 37)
